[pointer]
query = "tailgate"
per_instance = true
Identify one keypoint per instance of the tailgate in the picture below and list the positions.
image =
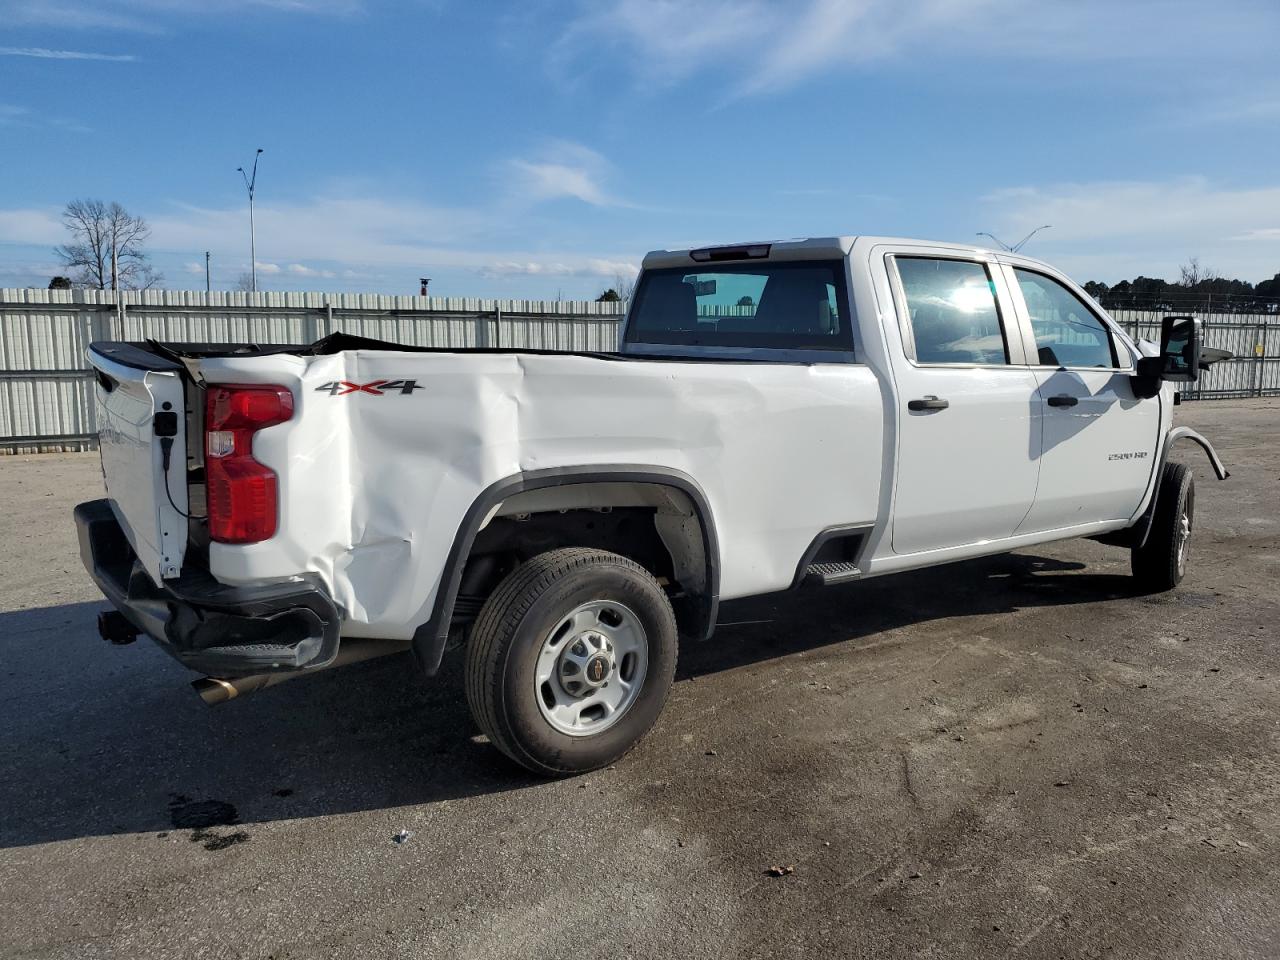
(133, 385)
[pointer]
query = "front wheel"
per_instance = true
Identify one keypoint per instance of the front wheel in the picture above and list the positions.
(1161, 563)
(571, 659)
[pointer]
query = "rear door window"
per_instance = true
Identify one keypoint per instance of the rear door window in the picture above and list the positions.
(955, 317)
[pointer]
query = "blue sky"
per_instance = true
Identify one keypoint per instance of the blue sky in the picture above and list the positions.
(525, 149)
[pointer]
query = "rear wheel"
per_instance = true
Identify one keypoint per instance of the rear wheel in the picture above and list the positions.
(1161, 563)
(571, 659)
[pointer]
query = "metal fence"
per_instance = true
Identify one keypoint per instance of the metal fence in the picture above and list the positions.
(46, 400)
(46, 396)
(1252, 339)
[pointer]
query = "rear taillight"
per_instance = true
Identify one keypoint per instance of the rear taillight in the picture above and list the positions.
(241, 491)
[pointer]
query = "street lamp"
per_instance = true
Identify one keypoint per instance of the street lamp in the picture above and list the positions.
(1020, 244)
(250, 181)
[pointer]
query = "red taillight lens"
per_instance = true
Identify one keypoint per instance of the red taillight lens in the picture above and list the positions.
(241, 492)
(251, 408)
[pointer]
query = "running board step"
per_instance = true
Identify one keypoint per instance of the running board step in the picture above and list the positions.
(826, 574)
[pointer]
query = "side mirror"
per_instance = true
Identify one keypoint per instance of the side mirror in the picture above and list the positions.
(1179, 349)
(701, 287)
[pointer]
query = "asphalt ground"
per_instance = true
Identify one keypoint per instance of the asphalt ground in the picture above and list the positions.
(1013, 757)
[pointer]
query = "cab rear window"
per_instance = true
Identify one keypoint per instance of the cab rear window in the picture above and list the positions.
(768, 305)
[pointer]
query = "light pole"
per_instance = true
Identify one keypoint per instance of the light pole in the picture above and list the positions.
(207, 288)
(1020, 244)
(251, 181)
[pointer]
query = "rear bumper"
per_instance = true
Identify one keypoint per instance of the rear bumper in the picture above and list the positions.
(212, 627)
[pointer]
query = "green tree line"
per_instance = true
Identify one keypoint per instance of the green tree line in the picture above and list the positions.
(1197, 290)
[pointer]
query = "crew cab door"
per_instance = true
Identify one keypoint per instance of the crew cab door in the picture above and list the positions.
(1098, 441)
(966, 403)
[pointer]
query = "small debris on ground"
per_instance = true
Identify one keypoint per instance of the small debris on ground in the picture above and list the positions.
(711, 753)
(402, 836)
(1062, 783)
(777, 871)
(915, 876)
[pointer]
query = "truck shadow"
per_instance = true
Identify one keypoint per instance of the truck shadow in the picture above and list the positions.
(102, 741)
(778, 625)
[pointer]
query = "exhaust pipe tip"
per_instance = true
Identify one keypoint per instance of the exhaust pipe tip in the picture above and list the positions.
(214, 691)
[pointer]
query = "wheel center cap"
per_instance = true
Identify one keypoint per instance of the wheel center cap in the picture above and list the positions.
(597, 670)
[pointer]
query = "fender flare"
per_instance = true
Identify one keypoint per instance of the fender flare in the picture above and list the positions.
(430, 638)
(1141, 529)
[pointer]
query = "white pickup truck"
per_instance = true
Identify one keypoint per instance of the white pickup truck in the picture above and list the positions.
(806, 412)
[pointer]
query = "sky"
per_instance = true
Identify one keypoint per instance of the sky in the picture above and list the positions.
(538, 149)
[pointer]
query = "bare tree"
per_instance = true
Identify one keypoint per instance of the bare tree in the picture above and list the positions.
(244, 282)
(1191, 273)
(625, 286)
(105, 251)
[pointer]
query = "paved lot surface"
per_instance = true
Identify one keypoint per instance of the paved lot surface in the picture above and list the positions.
(1012, 757)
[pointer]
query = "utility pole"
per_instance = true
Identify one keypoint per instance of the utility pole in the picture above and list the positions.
(206, 272)
(250, 182)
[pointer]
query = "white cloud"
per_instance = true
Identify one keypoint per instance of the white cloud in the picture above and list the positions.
(589, 267)
(1261, 233)
(152, 16)
(302, 270)
(351, 235)
(562, 169)
(31, 226)
(1116, 229)
(772, 44)
(43, 53)
(351, 238)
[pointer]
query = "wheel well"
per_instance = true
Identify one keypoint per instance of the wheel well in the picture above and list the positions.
(658, 526)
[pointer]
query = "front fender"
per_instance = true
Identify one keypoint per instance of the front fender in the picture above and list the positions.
(1186, 433)
(1139, 532)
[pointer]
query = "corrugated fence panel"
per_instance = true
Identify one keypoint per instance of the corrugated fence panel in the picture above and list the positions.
(44, 407)
(46, 396)
(557, 333)
(46, 400)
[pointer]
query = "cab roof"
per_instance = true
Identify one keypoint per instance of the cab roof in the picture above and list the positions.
(807, 248)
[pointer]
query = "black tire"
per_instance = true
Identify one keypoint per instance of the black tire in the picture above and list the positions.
(515, 623)
(1161, 562)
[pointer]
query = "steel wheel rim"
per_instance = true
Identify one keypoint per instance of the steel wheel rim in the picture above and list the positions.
(591, 668)
(1184, 537)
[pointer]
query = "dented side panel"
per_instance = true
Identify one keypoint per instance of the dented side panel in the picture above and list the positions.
(375, 479)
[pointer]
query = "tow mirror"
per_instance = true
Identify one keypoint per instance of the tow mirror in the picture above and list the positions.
(1181, 357)
(1179, 349)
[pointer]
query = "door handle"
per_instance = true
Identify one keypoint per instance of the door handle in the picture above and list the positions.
(1063, 400)
(928, 403)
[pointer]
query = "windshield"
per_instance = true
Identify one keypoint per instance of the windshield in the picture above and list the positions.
(779, 305)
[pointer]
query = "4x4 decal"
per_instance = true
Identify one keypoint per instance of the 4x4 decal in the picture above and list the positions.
(340, 388)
